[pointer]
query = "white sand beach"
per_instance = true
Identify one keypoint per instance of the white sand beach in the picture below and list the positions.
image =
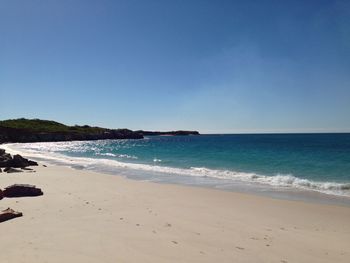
(85, 217)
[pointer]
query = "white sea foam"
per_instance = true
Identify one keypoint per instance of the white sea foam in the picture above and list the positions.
(117, 155)
(107, 154)
(46, 152)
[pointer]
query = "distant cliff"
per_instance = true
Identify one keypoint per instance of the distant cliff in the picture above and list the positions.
(35, 130)
(169, 133)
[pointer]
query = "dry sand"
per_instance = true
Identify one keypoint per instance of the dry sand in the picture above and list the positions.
(90, 217)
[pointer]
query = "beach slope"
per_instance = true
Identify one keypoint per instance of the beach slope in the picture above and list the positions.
(89, 217)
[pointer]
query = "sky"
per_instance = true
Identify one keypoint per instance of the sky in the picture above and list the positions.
(213, 66)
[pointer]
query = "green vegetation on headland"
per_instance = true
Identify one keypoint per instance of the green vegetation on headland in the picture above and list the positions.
(35, 130)
(36, 125)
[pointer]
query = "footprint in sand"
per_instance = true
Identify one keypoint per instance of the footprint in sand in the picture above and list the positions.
(167, 225)
(240, 248)
(175, 242)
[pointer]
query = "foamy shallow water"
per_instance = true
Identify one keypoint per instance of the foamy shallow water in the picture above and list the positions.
(279, 185)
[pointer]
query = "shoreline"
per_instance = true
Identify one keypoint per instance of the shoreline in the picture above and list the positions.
(253, 188)
(84, 216)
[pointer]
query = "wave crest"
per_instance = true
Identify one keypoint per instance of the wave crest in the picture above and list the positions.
(278, 180)
(118, 155)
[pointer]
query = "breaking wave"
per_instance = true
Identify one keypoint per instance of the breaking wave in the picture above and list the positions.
(118, 155)
(278, 180)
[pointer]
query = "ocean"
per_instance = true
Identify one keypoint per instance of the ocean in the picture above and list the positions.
(296, 164)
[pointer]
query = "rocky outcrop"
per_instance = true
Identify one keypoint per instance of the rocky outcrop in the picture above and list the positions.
(4, 158)
(10, 170)
(17, 161)
(21, 190)
(12, 135)
(8, 214)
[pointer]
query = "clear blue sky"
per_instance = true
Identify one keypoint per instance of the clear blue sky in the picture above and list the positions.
(213, 66)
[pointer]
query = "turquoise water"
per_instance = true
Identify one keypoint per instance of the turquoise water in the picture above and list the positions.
(319, 162)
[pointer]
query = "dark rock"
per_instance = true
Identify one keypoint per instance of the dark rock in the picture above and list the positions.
(0, 170)
(8, 214)
(17, 161)
(1, 194)
(32, 163)
(5, 158)
(12, 170)
(2, 151)
(20, 190)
